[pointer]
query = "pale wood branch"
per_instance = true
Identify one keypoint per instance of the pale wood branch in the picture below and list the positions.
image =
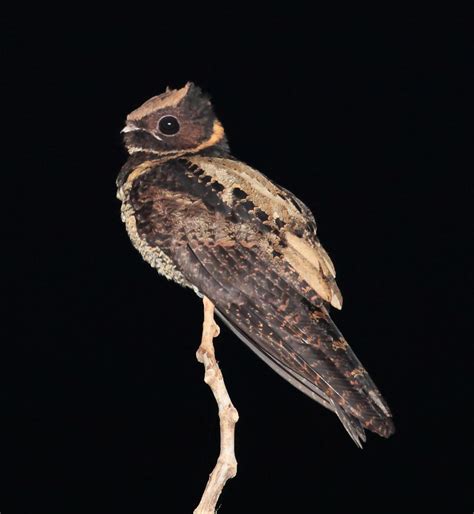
(226, 466)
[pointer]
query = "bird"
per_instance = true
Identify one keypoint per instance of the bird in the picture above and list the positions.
(209, 222)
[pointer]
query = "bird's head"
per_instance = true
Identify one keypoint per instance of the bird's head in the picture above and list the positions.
(175, 123)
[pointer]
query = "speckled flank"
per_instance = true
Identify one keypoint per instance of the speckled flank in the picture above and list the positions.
(210, 222)
(152, 254)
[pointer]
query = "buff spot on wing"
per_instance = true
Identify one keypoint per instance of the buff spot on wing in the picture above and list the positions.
(357, 372)
(340, 345)
(284, 305)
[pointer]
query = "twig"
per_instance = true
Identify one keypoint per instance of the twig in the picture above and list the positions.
(226, 466)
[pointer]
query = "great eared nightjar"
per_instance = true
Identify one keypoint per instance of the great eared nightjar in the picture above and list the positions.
(209, 222)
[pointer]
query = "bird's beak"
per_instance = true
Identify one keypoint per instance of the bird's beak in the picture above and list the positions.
(129, 128)
(132, 128)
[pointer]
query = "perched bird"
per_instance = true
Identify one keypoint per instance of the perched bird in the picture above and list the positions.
(210, 222)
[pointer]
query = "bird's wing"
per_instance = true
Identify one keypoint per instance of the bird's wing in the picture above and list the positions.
(290, 221)
(228, 254)
(297, 339)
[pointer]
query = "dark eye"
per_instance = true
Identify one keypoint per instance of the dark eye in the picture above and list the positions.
(168, 125)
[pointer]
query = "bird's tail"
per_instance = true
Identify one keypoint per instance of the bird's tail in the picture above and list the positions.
(316, 359)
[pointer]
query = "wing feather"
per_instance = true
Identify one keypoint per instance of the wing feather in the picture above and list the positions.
(300, 339)
(352, 425)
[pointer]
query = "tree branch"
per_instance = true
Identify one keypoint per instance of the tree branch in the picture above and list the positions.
(226, 466)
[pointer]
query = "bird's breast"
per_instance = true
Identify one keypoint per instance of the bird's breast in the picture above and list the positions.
(152, 254)
(151, 250)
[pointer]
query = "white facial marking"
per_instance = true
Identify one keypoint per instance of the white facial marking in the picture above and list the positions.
(135, 149)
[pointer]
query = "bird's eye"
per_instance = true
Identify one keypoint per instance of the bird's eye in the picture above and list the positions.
(168, 125)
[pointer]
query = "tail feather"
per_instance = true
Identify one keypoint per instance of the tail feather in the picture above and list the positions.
(350, 423)
(296, 338)
(358, 406)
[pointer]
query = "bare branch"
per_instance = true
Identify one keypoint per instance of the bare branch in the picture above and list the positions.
(226, 466)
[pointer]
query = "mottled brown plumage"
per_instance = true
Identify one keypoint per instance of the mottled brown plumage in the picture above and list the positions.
(210, 222)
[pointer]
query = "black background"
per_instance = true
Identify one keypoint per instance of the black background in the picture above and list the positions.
(104, 405)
